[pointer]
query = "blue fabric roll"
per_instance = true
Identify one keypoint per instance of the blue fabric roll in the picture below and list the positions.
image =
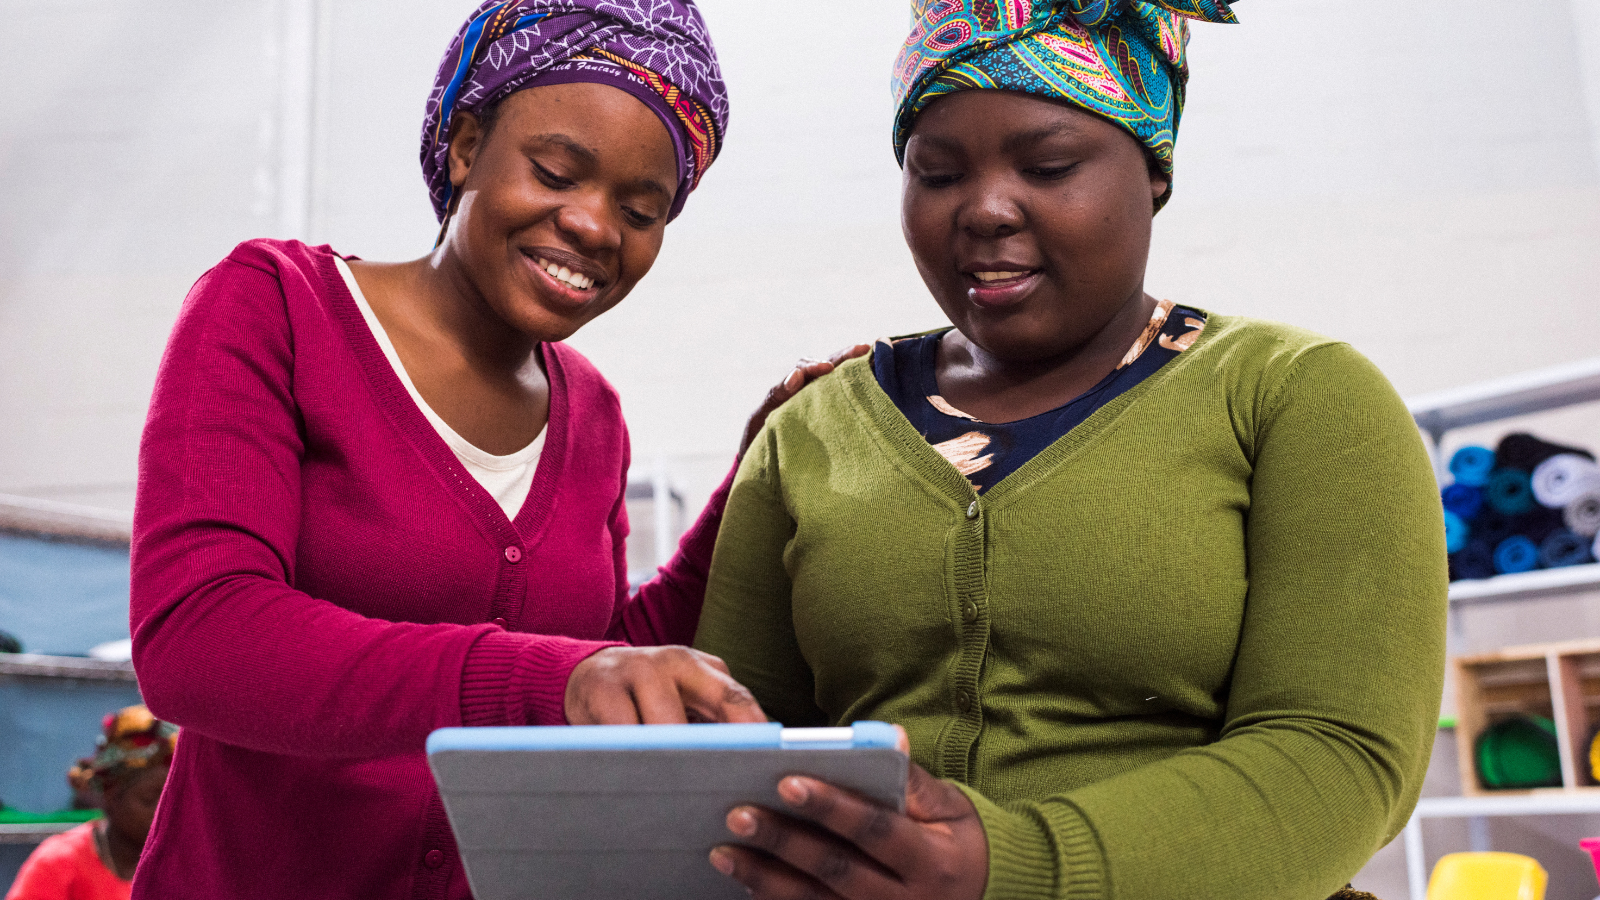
(1456, 532)
(1509, 492)
(1463, 499)
(1517, 553)
(1564, 548)
(1471, 465)
(1475, 561)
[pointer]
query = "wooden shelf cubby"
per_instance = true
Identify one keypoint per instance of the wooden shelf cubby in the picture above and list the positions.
(1558, 681)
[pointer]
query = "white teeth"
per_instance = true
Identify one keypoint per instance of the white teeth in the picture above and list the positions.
(997, 276)
(567, 276)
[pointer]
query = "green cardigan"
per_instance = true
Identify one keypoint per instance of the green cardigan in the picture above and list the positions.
(1194, 649)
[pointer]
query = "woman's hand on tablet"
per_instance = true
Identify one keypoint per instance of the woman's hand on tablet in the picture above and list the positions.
(862, 851)
(805, 371)
(656, 686)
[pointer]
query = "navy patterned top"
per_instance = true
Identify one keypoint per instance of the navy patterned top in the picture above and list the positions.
(986, 453)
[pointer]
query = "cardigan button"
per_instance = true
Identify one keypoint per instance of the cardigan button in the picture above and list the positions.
(499, 621)
(969, 612)
(972, 511)
(964, 700)
(513, 554)
(434, 859)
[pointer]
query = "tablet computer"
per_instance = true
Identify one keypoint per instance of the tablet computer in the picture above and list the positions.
(632, 811)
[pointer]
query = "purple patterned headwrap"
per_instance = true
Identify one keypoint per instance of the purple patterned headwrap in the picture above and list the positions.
(657, 50)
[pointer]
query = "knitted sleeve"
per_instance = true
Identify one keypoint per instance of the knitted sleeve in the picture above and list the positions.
(1333, 701)
(223, 644)
(748, 620)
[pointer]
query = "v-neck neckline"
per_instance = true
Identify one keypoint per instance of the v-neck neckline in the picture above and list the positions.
(391, 396)
(907, 445)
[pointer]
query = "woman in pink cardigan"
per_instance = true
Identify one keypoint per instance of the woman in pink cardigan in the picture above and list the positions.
(380, 499)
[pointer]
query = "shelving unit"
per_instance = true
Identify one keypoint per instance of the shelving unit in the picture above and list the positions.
(1440, 413)
(1555, 802)
(1555, 680)
(1560, 682)
(33, 834)
(34, 665)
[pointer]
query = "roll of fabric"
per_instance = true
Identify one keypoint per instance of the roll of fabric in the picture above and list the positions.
(1456, 532)
(1583, 513)
(1537, 524)
(1476, 560)
(1509, 492)
(1517, 553)
(1562, 478)
(1471, 465)
(1490, 526)
(1526, 452)
(1564, 547)
(1463, 499)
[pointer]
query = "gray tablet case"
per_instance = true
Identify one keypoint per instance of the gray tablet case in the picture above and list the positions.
(631, 812)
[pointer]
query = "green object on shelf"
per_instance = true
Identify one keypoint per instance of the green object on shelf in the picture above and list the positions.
(1521, 752)
(1447, 721)
(11, 816)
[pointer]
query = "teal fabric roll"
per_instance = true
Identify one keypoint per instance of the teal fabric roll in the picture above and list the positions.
(1509, 492)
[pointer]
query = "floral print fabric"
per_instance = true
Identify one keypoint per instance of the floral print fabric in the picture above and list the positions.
(986, 452)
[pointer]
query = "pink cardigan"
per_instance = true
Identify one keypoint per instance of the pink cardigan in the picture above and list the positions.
(318, 584)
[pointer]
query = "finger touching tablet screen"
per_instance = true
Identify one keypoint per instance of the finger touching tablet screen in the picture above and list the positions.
(632, 811)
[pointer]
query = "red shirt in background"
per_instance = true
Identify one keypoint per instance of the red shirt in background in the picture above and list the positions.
(67, 867)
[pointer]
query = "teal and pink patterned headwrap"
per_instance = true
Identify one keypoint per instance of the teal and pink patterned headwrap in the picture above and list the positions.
(657, 50)
(1123, 60)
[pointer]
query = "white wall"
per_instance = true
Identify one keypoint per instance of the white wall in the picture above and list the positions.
(1419, 178)
(1424, 186)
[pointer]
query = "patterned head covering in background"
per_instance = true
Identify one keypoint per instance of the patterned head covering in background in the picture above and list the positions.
(658, 50)
(1123, 60)
(131, 739)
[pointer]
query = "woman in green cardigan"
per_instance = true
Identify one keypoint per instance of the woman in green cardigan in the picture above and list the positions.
(1157, 594)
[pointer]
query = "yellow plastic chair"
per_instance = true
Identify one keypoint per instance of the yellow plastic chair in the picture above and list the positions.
(1487, 876)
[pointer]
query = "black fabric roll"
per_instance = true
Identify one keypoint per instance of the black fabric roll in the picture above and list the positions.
(1476, 561)
(1539, 524)
(1525, 452)
(1491, 527)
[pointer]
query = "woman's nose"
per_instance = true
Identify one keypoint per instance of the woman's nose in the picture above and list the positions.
(585, 221)
(991, 212)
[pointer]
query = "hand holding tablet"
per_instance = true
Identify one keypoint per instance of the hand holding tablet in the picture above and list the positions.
(936, 849)
(634, 811)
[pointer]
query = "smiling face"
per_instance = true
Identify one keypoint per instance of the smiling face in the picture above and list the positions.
(1029, 221)
(563, 204)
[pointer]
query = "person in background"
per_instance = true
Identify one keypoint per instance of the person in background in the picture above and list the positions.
(1157, 593)
(96, 860)
(377, 499)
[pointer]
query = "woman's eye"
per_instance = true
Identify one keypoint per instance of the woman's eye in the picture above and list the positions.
(550, 178)
(1052, 172)
(638, 219)
(937, 179)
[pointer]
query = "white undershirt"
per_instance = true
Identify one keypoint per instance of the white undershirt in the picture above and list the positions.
(506, 478)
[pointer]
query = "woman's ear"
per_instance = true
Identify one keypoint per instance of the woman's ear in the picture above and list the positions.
(1159, 185)
(466, 138)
